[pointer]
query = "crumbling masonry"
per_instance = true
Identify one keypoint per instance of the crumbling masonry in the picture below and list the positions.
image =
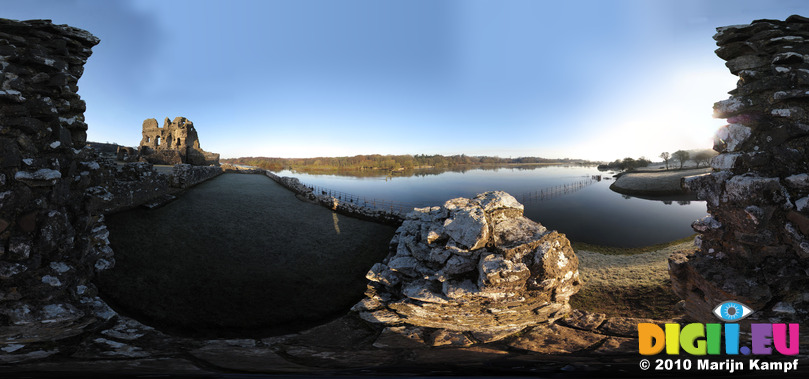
(176, 142)
(51, 242)
(754, 246)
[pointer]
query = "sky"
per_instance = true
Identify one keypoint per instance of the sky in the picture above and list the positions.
(597, 80)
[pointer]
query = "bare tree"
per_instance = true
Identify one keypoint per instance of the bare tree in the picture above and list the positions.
(666, 156)
(681, 156)
(704, 156)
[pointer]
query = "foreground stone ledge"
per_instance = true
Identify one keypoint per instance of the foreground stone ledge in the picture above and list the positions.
(347, 345)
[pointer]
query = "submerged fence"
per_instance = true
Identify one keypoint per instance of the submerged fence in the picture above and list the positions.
(364, 201)
(556, 191)
(405, 207)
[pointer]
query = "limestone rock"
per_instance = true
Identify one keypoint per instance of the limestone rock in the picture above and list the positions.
(443, 337)
(618, 346)
(245, 357)
(492, 336)
(554, 339)
(584, 320)
(39, 178)
(626, 326)
(472, 265)
(407, 337)
(382, 274)
(467, 228)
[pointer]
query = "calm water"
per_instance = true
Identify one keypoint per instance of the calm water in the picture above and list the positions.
(593, 214)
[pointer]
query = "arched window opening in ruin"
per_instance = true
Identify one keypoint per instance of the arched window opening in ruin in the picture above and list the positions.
(157, 141)
(178, 142)
(148, 139)
(169, 141)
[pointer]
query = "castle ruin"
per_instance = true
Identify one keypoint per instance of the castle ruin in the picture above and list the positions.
(174, 143)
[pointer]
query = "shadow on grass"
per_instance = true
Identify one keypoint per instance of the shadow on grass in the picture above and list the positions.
(239, 254)
(655, 301)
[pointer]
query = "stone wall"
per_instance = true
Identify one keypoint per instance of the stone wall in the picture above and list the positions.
(120, 187)
(754, 246)
(126, 154)
(51, 243)
(185, 175)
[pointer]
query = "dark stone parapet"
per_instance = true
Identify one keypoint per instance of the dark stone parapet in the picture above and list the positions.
(754, 246)
(52, 243)
(54, 192)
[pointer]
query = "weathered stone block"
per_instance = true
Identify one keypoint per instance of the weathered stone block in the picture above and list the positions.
(504, 272)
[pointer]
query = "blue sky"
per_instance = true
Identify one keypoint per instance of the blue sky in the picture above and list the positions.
(597, 80)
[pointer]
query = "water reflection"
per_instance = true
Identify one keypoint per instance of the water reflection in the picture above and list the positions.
(591, 213)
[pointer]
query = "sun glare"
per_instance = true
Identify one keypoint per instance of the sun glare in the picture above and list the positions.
(676, 114)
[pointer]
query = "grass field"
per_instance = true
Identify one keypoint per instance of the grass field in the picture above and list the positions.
(239, 253)
(628, 282)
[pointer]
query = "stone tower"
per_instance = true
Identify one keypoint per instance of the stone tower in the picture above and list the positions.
(176, 142)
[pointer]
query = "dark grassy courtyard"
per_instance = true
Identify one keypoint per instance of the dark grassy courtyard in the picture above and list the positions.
(239, 254)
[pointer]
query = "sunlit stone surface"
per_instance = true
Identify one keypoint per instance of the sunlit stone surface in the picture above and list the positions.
(472, 265)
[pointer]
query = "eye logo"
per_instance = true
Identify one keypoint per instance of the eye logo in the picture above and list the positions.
(732, 311)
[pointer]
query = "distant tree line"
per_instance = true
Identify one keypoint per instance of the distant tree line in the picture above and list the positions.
(626, 164)
(386, 162)
(700, 157)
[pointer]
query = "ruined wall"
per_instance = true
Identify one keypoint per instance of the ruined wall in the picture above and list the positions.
(126, 154)
(134, 184)
(176, 142)
(754, 246)
(472, 265)
(126, 186)
(51, 244)
(185, 175)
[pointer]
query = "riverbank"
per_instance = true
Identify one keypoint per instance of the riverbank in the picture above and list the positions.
(655, 183)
